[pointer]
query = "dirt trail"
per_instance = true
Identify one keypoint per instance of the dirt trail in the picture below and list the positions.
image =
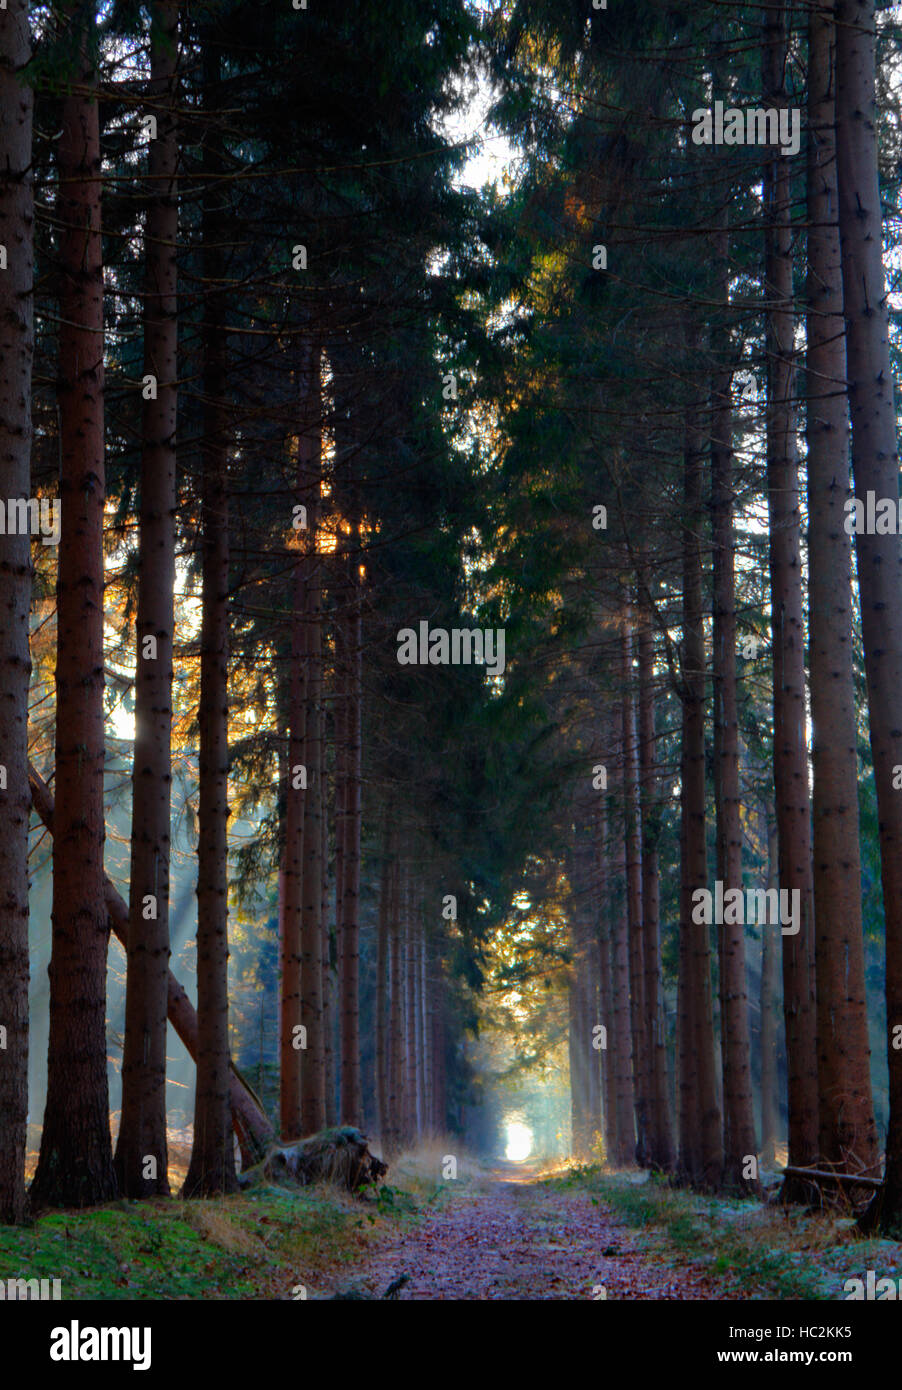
(522, 1240)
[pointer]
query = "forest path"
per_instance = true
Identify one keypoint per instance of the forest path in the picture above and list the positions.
(523, 1239)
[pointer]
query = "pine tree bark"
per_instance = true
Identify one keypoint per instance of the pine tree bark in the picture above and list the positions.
(75, 1166)
(16, 356)
(313, 1075)
(633, 842)
(735, 1037)
(394, 1131)
(700, 1141)
(620, 1039)
(351, 1092)
(769, 1105)
(141, 1152)
(410, 1017)
(291, 1036)
(790, 749)
(847, 1131)
(875, 466)
(426, 1025)
(382, 1022)
(604, 878)
(662, 1153)
(329, 1059)
(211, 1169)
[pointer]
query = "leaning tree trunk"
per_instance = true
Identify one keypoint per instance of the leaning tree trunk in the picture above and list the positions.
(788, 638)
(211, 1169)
(847, 1132)
(141, 1153)
(16, 354)
(876, 468)
(75, 1166)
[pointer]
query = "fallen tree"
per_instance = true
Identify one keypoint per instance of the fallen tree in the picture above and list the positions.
(340, 1155)
(254, 1132)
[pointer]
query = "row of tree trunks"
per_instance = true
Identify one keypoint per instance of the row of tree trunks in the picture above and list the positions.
(410, 1057)
(16, 354)
(252, 1128)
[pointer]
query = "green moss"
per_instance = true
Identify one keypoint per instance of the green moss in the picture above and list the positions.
(246, 1246)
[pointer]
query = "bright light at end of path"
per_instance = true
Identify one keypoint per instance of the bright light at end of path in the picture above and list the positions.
(519, 1142)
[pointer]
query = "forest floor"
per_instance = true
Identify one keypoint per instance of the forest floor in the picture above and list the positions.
(516, 1231)
(508, 1231)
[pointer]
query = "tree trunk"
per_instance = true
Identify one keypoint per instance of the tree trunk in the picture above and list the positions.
(331, 1093)
(351, 1094)
(313, 1074)
(16, 354)
(291, 1037)
(769, 1106)
(394, 1130)
(700, 1143)
(661, 1146)
(847, 1132)
(382, 1024)
(620, 1041)
(211, 1169)
(632, 840)
(410, 1016)
(604, 880)
(790, 750)
(141, 1153)
(735, 1039)
(876, 469)
(426, 1026)
(75, 1167)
